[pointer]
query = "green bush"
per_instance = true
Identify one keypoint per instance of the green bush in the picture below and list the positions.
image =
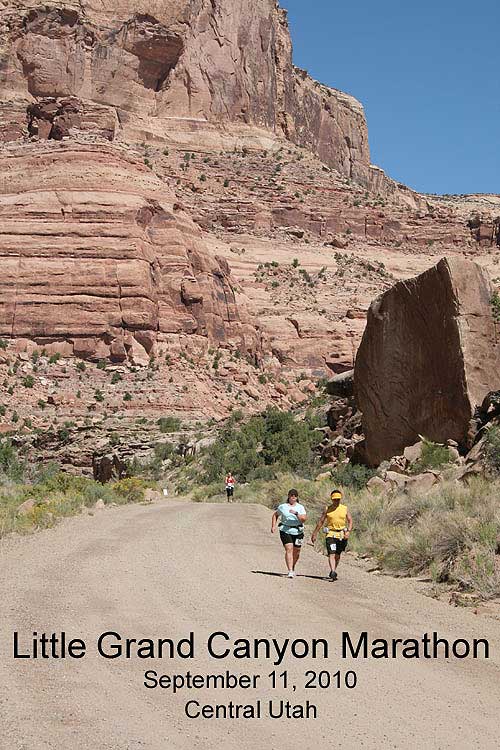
(495, 306)
(169, 424)
(492, 449)
(130, 490)
(10, 465)
(163, 451)
(265, 445)
(352, 475)
(434, 456)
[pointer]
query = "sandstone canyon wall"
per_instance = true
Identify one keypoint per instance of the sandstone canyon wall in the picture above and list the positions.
(176, 69)
(95, 254)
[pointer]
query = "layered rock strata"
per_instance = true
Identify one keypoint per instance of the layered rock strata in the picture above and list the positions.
(95, 253)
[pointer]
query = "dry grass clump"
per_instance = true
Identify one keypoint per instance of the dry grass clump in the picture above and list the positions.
(451, 533)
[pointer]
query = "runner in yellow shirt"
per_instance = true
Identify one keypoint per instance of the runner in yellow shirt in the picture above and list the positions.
(338, 522)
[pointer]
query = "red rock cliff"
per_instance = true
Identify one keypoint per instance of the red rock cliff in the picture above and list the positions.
(94, 253)
(185, 67)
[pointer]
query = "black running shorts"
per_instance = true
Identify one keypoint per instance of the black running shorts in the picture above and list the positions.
(230, 491)
(295, 539)
(335, 546)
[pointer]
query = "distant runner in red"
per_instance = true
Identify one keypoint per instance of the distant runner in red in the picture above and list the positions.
(230, 482)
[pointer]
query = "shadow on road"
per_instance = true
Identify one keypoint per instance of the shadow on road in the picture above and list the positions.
(284, 575)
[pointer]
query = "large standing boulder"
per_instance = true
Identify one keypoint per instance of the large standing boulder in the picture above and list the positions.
(428, 357)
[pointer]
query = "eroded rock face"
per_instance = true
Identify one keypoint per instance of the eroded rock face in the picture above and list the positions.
(95, 255)
(58, 118)
(178, 69)
(429, 356)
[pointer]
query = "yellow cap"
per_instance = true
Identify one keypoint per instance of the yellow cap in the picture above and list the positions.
(336, 495)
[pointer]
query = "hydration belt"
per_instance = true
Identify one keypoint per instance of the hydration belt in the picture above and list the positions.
(336, 533)
(286, 529)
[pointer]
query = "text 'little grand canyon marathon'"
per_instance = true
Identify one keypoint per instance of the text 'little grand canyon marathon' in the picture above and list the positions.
(249, 380)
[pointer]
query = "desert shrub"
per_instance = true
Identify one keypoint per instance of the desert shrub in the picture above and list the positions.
(63, 434)
(130, 490)
(202, 494)
(495, 306)
(163, 451)
(450, 533)
(404, 552)
(169, 424)
(352, 475)
(58, 482)
(434, 456)
(10, 464)
(478, 572)
(492, 449)
(403, 510)
(265, 445)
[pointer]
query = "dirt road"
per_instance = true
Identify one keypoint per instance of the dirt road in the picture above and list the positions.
(168, 569)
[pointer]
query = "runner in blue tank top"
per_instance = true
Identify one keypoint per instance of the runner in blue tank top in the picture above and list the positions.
(290, 516)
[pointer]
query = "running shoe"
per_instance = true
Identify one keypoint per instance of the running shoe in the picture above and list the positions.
(291, 574)
(333, 575)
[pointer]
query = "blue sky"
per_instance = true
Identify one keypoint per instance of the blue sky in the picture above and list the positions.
(428, 75)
